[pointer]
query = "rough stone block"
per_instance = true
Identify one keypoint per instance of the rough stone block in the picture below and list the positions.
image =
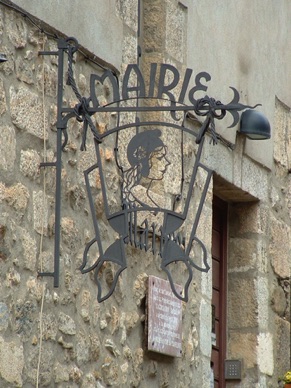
(61, 373)
(40, 212)
(243, 346)
(47, 79)
(17, 196)
(11, 361)
(255, 180)
(278, 300)
(12, 278)
(66, 324)
(24, 70)
(85, 305)
(128, 11)
(242, 302)
(280, 248)
(242, 254)
(70, 234)
(282, 345)
(205, 328)
(129, 51)
(140, 287)
(8, 67)
(27, 112)
(265, 353)
(95, 347)
(16, 30)
(248, 218)
(282, 123)
(110, 371)
(82, 349)
(87, 159)
(35, 288)
(154, 31)
(29, 249)
(7, 148)
(263, 300)
(4, 316)
(29, 163)
(25, 316)
(176, 31)
(3, 102)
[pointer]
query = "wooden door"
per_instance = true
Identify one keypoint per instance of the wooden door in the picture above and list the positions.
(219, 239)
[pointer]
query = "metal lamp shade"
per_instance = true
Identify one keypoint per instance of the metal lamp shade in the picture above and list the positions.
(255, 125)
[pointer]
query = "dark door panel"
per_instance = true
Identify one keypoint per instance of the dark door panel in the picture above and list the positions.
(219, 266)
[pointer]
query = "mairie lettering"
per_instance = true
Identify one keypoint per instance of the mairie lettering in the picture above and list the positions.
(158, 87)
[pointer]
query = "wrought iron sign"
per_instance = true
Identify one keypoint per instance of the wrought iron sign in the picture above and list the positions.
(146, 157)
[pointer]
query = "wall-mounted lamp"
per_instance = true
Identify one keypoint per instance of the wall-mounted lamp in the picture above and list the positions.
(255, 125)
(3, 57)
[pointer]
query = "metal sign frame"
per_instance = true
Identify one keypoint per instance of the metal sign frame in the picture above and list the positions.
(145, 144)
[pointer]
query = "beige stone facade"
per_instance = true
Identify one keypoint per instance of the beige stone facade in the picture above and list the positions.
(62, 337)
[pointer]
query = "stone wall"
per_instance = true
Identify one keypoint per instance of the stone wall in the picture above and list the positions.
(62, 336)
(259, 273)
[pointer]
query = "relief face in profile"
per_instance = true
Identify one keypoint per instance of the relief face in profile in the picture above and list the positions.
(147, 156)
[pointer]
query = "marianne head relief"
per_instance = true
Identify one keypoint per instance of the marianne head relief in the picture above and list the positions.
(147, 156)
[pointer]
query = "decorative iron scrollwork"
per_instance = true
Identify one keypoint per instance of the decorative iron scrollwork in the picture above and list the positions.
(141, 218)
